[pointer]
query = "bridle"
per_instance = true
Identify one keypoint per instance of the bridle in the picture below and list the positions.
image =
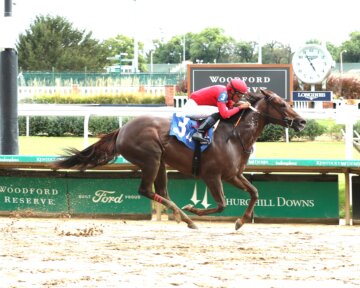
(285, 120)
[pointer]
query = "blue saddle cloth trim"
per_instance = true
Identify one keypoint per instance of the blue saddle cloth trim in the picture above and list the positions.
(183, 127)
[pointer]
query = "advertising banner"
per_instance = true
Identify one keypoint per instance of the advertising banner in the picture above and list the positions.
(297, 196)
(312, 96)
(33, 194)
(280, 196)
(185, 190)
(274, 77)
(107, 196)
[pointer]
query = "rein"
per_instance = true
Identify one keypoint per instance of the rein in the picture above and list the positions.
(233, 131)
(235, 125)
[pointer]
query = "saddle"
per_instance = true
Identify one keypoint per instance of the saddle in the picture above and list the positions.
(182, 127)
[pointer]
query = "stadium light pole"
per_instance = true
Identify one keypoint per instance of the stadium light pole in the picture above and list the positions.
(151, 61)
(341, 70)
(9, 130)
(184, 47)
(341, 61)
(120, 60)
(136, 44)
(259, 52)
(184, 55)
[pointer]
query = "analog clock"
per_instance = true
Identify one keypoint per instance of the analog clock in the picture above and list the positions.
(312, 63)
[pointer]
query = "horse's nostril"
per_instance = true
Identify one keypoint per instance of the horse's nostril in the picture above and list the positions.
(301, 122)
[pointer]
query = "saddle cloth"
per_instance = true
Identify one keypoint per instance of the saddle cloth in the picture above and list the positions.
(183, 127)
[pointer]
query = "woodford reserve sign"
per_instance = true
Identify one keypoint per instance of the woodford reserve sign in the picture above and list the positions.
(40, 194)
(278, 78)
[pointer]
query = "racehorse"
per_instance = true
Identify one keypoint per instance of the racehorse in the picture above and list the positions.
(145, 142)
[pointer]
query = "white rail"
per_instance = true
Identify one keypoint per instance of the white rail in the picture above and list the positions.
(87, 111)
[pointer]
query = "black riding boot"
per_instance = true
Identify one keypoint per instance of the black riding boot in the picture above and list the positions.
(204, 126)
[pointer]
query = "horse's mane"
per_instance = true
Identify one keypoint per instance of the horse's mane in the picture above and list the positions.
(253, 98)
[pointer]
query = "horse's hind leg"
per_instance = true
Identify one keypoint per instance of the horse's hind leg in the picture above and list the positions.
(160, 185)
(156, 174)
(216, 189)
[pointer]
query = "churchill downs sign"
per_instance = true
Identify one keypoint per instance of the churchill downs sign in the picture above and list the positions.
(277, 78)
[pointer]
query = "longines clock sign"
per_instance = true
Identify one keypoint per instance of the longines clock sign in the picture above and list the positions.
(277, 78)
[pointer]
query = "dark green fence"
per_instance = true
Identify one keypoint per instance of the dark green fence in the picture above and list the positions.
(301, 197)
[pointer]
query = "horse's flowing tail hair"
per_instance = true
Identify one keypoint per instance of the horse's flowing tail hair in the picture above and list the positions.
(99, 153)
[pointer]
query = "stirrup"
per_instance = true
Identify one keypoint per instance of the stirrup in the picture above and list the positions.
(198, 137)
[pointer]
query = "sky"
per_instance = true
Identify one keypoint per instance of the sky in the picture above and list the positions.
(287, 21)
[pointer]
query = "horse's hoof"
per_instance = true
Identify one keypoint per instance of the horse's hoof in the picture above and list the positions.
(188, 207)
(192, 226)
(238, 224)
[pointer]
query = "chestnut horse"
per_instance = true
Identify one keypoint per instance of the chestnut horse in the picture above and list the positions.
(145, 142)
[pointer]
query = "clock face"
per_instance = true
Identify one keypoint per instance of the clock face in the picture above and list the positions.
(312, 63)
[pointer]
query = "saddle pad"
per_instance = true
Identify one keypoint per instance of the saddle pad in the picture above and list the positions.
(183, 127)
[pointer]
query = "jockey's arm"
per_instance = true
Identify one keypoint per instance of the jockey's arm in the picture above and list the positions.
(225, 112)
(242, 104)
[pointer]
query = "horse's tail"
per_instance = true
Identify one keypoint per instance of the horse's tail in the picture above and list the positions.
(99, 153)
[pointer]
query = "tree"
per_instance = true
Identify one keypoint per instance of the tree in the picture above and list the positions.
(211, 46)
(243, 52)
(276, 53)
(123, 44)
(352, 48)
(172, 51)
(333, 50)
(52, 42)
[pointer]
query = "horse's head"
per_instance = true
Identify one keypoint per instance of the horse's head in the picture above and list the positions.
(277, 111)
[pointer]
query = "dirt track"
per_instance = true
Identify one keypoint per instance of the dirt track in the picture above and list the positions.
(116, 253)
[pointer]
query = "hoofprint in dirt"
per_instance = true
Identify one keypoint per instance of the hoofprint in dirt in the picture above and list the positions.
(117, 253)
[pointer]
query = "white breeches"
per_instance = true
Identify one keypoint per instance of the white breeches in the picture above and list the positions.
(195, 111)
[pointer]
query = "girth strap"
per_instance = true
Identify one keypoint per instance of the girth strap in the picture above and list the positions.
(196, 159)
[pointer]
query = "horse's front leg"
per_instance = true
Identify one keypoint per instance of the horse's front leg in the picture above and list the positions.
(241, 182)
(216, 189)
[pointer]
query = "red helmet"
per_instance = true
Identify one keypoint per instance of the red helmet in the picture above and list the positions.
(237, 85)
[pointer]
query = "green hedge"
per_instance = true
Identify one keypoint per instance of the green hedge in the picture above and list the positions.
(65, 126)
(273, 133)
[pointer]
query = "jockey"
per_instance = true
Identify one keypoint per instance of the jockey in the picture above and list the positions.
(215, 100)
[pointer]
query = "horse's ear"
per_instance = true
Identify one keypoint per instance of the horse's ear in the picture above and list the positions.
(253, 97)
(265, 93)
